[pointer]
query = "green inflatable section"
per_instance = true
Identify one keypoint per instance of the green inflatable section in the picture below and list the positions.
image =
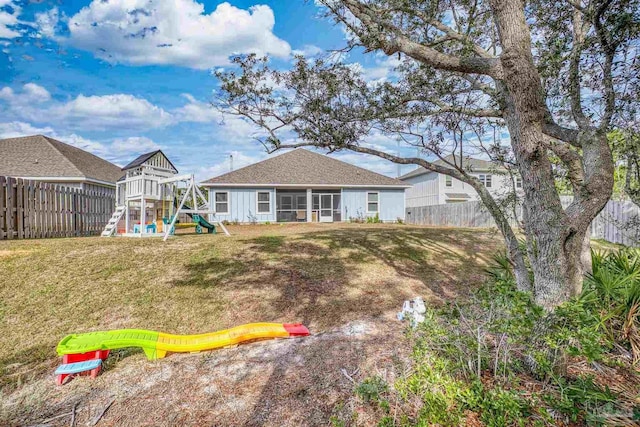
(110, 340)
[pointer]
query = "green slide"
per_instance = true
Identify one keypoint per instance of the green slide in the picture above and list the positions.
(199, 219)
(110, 340)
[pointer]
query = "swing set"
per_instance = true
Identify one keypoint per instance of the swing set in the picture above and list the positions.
(151, 198)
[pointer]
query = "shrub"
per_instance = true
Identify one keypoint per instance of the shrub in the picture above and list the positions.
(374, 219)
(478, 355)
(371, 389)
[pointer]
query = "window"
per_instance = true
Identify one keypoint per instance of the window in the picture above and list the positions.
(373, 202)
(264, 202)
(286, 202)
(518, 182)
(222, 202)
(485, 180)
(448, 181)
(301, 202)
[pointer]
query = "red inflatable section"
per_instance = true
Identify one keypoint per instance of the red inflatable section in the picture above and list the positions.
(296, 329)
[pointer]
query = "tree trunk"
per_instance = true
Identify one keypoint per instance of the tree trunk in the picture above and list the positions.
(516, 256)
(555, 239)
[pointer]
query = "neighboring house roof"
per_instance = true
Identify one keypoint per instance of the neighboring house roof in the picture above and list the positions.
(303, 167)
(141, 159)
(468, 163)
(39, 156)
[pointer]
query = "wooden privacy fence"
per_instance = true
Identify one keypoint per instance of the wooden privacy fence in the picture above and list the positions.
(619, 222)
(31, 209)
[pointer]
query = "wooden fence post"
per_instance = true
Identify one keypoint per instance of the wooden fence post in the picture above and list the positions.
(3, 206)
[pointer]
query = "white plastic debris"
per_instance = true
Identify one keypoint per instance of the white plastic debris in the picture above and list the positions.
(418, 305)
(413, 311)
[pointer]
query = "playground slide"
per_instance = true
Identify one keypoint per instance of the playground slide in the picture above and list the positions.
(156, 344)
(201, 221)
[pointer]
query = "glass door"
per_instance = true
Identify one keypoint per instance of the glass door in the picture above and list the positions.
(326, 208)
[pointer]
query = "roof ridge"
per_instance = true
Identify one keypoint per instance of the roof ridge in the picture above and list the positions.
(347, 163)
(73, 147)
(324, 156)
(304, 166)
(65, 158)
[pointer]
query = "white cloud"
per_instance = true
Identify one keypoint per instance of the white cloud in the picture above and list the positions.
(16, 129)
(30, 93)
(178, 32)
(117, 111)
(46, 22)
(134, 144)
(196, 111)
(308, 51)
(383, 69)
(240, 160)
(9, 18)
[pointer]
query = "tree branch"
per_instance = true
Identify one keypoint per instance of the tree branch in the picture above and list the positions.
(401, 43)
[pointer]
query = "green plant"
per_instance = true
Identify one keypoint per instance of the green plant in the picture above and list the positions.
(399, 220)
(497, 407)
(374, 219)
(477, 355)
(370, 389)
(613, 289)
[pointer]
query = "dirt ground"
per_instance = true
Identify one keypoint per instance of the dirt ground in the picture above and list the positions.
(344, 282)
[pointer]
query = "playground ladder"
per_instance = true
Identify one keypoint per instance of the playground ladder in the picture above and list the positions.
(111, 226)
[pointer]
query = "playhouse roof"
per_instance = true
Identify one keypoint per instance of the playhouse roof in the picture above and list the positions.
(304, 167)
(39, 156)
(141, 159)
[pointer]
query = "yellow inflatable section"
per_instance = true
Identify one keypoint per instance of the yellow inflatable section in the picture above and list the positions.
(228, 337)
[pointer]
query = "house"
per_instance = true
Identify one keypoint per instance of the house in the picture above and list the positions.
(303, 186)
(45, 159)
(432, 188)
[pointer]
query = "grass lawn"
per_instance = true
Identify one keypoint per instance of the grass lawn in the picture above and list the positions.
(326, 276)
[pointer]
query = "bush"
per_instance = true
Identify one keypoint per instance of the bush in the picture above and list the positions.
(486, 354)
(371, 389)
(374, 219)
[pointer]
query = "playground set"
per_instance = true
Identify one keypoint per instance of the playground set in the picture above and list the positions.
(83, 354)
(151, 197)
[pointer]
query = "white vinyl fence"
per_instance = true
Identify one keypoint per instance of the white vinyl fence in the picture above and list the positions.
(619, 222)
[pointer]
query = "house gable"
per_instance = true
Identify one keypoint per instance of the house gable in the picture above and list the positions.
(155, 159)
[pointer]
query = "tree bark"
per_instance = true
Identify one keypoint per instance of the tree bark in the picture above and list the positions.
(555, 237)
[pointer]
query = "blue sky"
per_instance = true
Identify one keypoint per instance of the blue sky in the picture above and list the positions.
(121, 77)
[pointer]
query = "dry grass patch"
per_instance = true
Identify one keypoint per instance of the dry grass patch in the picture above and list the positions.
(323, 276)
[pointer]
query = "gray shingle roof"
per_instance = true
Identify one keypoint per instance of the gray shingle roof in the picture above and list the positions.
(304, 167)
(469, 163)
(40, 156)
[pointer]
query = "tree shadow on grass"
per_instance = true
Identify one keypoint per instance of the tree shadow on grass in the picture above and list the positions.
(333, 276)
(317, 278)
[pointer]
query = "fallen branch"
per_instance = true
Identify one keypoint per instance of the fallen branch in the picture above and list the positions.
(73, 415)
(101, 414)
(344, 372)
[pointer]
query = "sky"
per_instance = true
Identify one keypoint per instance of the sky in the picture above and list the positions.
(122, 77)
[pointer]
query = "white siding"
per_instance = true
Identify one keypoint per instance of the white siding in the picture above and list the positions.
(425, 190)
(430, 188)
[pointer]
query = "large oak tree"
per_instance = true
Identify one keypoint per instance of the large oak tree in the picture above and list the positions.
(556, 75)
